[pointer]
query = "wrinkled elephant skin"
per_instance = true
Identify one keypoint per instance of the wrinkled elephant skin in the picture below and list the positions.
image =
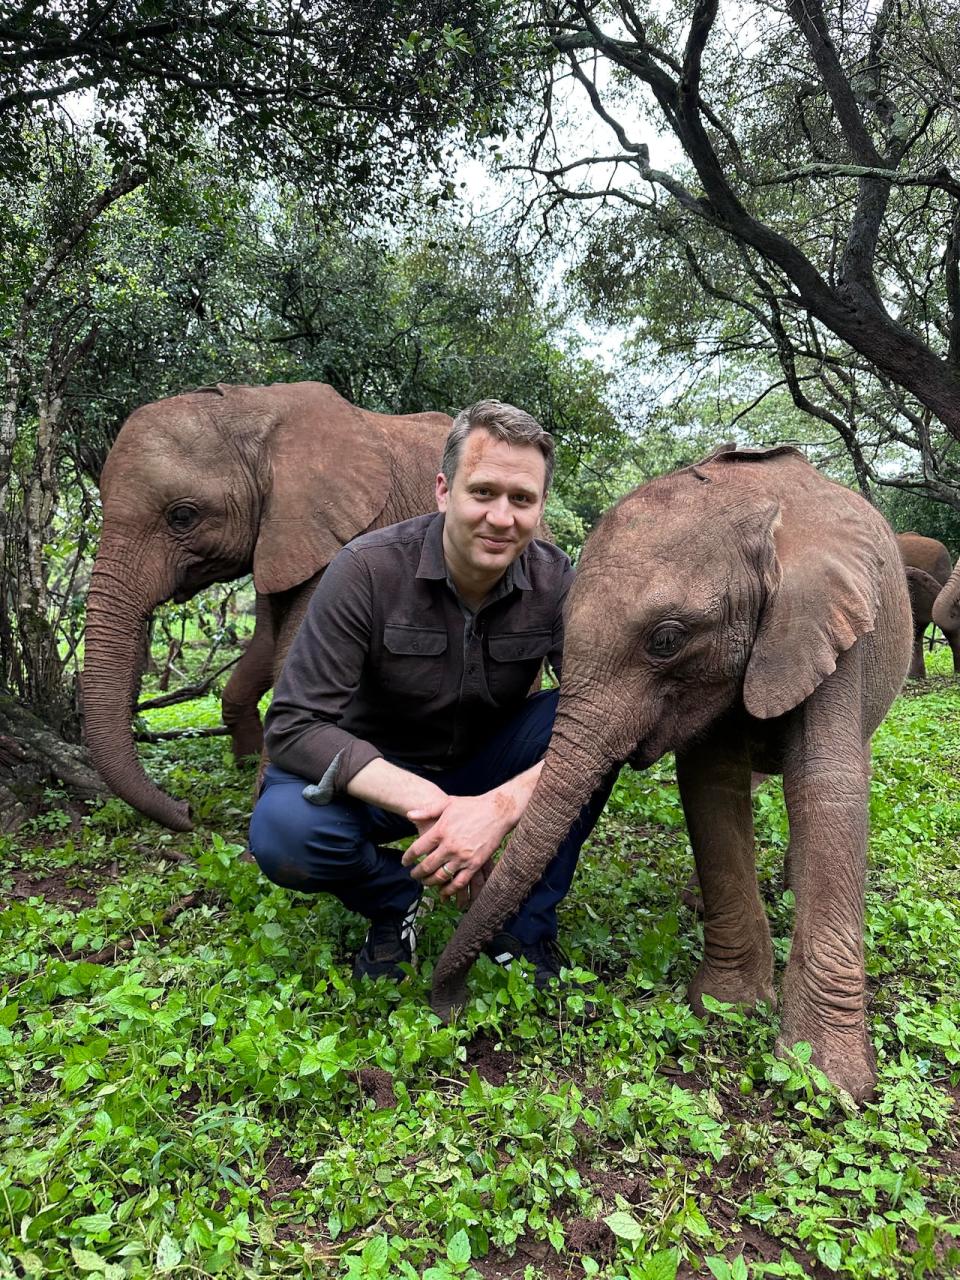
(207, 486)
(747, 614)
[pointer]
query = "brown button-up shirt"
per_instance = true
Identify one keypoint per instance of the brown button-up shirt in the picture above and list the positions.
(389, 662)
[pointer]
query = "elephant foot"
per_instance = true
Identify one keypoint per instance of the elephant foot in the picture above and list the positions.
(246, 738)
(848, 1061)
(746, 985)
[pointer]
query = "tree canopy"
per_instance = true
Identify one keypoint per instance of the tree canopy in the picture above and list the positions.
(812, 216)
(113, 297)
(335, 96)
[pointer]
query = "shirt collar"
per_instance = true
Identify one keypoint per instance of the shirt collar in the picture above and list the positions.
(433, 565)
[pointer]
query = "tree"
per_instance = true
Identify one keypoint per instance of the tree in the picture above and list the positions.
(814, 200)
(331, 96)
(347, 103)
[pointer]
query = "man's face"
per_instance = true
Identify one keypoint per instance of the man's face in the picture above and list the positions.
(492, 508)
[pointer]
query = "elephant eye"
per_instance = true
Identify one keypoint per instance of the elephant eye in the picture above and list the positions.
(182, 517)
(667, 639)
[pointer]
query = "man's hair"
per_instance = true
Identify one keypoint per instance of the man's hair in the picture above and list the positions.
(503, 422)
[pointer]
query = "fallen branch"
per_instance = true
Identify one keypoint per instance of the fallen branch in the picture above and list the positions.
(109, 953)
(171, 735)
(188, 692)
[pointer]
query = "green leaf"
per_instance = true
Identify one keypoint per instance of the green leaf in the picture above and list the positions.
(87, 1260)
(458, 1249)
(374, 1255)
(322, 1056)
(719, 1267)
(94, 1223)
(663, 1265)
(168, 1254)
(829, 1253)
(625, 1226)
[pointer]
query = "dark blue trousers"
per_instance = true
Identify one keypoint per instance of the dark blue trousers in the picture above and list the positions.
(337, 848)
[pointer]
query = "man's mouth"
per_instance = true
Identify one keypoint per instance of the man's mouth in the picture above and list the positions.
(495, 544)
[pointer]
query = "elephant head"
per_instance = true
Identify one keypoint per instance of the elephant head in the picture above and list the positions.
(946, 607)
(204, 487)
(728, 587)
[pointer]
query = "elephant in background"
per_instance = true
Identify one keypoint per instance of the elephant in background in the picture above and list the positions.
(946, 613)
(207, 486)
(928, 567)
(748, 614)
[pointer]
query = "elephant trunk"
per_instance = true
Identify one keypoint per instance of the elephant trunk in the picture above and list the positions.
(114, 654)
(946, 607)
(576, 763)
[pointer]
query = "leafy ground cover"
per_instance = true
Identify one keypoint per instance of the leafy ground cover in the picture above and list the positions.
(193, 1085)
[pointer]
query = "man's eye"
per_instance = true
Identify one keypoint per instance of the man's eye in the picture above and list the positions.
(667, 639)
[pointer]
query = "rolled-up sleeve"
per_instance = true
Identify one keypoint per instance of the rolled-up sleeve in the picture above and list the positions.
(320, 676)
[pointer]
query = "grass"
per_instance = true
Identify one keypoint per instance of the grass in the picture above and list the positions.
(215, 1096)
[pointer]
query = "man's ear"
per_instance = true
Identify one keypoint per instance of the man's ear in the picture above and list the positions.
(443, 491)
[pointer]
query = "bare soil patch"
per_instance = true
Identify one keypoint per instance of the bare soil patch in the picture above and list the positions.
(59, 886)
(284, 1175)
(499, 1265)
(491, 1064)
(377, 1084)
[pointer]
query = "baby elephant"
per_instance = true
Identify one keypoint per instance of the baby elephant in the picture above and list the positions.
(748, 614)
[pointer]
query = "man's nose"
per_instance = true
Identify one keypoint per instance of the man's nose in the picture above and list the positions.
(500, 513)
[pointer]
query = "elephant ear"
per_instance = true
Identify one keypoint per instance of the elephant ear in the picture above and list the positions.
(822, 573)
(923, 589)
(326, 474)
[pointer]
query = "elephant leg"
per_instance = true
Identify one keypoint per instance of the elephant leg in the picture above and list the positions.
(918, 670)
(690, 896)
(737, 966)
(249, 681)
(285, 613)
(288, 612)
(826, 783)
(953, 640)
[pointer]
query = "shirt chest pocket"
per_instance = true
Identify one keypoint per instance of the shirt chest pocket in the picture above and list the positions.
(515, 659)
(414, 660)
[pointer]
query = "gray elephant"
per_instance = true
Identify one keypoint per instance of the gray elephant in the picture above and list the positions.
(928, 567)
(746, 613)
(206, 487)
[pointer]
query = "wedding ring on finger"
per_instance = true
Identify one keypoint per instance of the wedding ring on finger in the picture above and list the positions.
(447, 873)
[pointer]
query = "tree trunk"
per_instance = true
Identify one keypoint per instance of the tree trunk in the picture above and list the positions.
(29, 657)
(32, 758)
